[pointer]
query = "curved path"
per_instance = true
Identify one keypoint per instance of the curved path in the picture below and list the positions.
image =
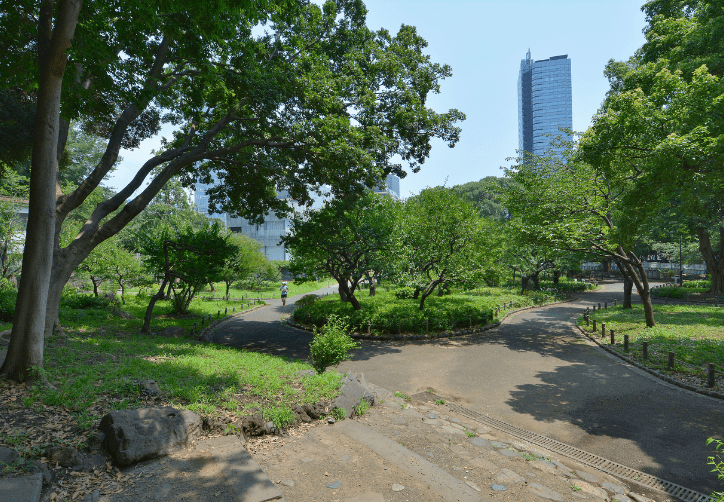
(535, 372)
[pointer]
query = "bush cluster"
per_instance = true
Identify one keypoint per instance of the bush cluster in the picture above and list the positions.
(331, 344)
(405, 293)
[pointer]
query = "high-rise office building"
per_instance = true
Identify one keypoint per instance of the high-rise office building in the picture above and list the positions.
(391, 187)
(544, 102)
(201, 199)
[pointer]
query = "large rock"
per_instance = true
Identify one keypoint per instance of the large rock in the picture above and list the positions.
(135, 435)
(7, 457)
(354, 390)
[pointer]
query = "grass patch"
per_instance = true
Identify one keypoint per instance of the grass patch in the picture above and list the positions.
(390, 315)
(694, 333)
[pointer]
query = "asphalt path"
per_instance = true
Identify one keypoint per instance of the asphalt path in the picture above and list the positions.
(534, 371)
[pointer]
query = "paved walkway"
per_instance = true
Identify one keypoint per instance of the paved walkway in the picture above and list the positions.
(534, 372)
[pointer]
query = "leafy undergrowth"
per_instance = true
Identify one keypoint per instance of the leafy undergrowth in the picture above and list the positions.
(694, 333)
(389, 314)
(690, 292)
(95, 371)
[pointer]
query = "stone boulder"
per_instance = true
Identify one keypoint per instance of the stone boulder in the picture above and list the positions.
(354, 390)
(7, 457)
(135, 435)
(315, 411)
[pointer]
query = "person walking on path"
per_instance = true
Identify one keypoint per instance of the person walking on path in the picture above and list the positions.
(284, 289)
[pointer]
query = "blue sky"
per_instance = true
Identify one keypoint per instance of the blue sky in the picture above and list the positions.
(484, 42)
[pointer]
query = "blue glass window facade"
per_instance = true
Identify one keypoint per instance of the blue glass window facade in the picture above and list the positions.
(544, 102)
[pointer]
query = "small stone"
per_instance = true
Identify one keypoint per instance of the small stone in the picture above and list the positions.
(457, 469)
(508, 476)
(498, 488)
(455, 420)
(481, 442)
(613, 488)
(591, 490)
(563, 467)
(397, 487)
(345, 458)
(509, 453)
(499, 444)
(8, 455)
(287, 482)
(334, 485)
(458, 426)
(473, 486)
(588, 476)
(620, 497)
(545, 492)
(448, 429)
(331, 420)
(431, 415)
(307, 460)
(433, 421)
(482, 430)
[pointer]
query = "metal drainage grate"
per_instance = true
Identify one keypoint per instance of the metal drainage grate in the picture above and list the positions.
(600, 463)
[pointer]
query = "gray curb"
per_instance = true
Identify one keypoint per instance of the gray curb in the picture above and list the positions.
(655, 373)
(432, 336)
(204, 333)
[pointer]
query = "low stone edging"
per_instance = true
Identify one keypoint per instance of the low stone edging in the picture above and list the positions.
(658, 374)
(204, 333)
(431, 336)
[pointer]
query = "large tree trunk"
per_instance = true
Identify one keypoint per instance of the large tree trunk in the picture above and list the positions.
(427, 292)
(26, 341)
(556, 276)
(348, 293)
(627, 285)
(636, 272)
(146, 328)
(714, 261)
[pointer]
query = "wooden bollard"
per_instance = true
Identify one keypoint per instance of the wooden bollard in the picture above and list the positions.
(511, 303)
(625, 343)
(226, 310)
(471, 322)
(645, 351)
(613, 337)
(599, 306)
(427, 325)
(202, 321)
(594, 325)
(233, 309)
(369, 327)
(594, 309)
(605, 305)
(603, 330)
(671, 360)
(615, 302)
(588, 321)
(710, 382)
(218, 313)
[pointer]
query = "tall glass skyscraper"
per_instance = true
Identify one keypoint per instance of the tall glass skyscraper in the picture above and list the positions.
(544, 102)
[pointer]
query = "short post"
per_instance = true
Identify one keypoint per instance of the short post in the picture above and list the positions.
(645, 353)
(625, 343)
(613, 337)
(427, 325)
(452, 322)
(233, 309)
(603, 329)
(310, 318)
(218, 313)
(471, 322)
(369, 327)
(588, 321)
(594, 308)
(226, 310)
(710, 376)
(594, 325)
(599, 306)
(671, 360)
(511, 303)
(615, 302)
(202, 322)
(605, 305)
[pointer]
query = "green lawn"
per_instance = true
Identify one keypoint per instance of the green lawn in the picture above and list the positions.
(388, 314)
(694, 333)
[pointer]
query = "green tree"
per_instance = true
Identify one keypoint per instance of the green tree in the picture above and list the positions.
(245, 261)
(442, 239)
(662, 121)
(563, 204)
(486, 194)
(348, 238)
(188, 259)
(290, 109)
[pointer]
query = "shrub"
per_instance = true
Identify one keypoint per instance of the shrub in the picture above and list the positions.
(306, 300)
(697, 284)
(718, 465)
(7, 304)
(73, 300)
(331, 344)
(405, 293)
